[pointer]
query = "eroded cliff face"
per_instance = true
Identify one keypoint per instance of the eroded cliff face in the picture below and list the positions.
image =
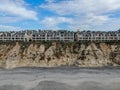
(53, 54)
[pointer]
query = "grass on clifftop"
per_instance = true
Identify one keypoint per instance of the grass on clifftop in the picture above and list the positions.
(63, 43)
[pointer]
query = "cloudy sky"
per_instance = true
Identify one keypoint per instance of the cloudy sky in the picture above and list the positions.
(60, 14)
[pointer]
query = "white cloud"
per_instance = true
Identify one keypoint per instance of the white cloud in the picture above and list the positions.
(17, 8)
(83, 6)
(86, 13)
(9, 19)
(53, 22)
(9, 28)
(49, 1)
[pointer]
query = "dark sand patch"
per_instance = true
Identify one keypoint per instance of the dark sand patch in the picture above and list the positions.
(90, 85)
(11, 87)
(113, 86)
(94, 85)
(52, 85)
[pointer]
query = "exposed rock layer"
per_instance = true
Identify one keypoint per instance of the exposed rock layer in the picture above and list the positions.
(53, 54)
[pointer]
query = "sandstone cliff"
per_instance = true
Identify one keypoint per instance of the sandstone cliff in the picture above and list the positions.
(53, 54)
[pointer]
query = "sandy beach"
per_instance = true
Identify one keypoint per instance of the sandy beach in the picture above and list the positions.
(60, 79)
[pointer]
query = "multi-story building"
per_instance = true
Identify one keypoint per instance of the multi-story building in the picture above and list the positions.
(60, 35)
(47, 35)
(98, 36)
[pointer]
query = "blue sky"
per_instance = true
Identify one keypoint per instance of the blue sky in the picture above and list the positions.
(60, 14)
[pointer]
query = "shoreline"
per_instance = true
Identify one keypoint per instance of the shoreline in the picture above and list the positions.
(64, 67)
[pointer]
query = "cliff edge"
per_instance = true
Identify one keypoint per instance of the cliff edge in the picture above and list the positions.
(54, 54)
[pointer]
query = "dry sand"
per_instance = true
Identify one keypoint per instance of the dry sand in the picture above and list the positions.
(60, 79)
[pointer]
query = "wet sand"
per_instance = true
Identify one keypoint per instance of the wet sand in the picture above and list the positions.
(60, 79)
